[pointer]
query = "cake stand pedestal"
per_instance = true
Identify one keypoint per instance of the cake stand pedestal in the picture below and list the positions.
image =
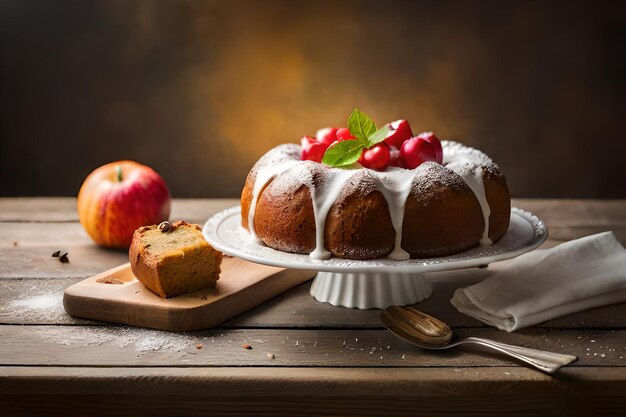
(376, 283)
(370, 290)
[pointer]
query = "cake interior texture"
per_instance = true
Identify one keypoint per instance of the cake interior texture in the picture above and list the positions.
(174, 262)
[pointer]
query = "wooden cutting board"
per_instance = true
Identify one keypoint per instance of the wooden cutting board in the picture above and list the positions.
(116, 296)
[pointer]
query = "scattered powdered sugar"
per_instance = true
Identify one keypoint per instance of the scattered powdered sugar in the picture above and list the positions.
(44, 301)
(35, 301)
(143, 340)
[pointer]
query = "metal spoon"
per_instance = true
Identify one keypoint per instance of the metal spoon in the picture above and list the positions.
(427, 332)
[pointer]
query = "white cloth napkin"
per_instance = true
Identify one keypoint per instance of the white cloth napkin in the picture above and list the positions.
(544, 284)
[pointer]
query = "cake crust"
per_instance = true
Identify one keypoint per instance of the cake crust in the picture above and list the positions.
(442, 214)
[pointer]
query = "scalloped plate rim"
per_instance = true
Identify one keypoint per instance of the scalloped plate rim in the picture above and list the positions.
(224, 222)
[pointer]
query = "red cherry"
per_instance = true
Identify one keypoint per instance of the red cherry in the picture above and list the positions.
(344, 134)
(416, 151)
(401, 132)
(327, 135)
(395, 159)
(306, 142)
(312, 150)
(433, 140)
(376, 157)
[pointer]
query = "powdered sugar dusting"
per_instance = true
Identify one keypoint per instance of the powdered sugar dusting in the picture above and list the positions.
(143, 340)
(44, 301)
(35, 301)
(282, 168)
(274, 163)
(470, 164)
(295, 176)
(455, 151)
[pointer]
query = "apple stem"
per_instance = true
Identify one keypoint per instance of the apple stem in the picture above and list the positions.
(118, 170)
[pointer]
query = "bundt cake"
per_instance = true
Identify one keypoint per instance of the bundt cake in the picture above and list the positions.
(435, 209)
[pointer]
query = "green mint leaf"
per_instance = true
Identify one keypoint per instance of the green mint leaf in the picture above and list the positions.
(343, 153)
(361, 126)
(380, 135)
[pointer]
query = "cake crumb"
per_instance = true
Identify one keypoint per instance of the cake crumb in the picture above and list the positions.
(109, 280)
(198, 345)
(271, 356)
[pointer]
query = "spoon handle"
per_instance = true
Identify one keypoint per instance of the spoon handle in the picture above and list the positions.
(545, 361)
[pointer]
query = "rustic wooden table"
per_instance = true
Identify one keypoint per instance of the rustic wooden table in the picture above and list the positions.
(307, 358)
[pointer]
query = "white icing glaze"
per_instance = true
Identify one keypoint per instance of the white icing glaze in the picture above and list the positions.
(323, 197)
(264, 175)
(469, 163)
(394, 184)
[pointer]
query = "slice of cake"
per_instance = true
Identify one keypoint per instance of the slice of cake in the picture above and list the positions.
(173, 258)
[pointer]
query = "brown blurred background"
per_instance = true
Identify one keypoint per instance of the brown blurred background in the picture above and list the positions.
(199, 90)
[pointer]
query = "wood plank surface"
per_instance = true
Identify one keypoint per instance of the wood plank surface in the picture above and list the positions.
(123, 346)
(38, 209)
(324, 358)
(63, 209)
(35, 234)
(61, 391)
(40, 301)
(37, 262)
(576, 213)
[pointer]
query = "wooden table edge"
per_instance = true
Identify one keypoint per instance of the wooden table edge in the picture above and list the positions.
(609, 380)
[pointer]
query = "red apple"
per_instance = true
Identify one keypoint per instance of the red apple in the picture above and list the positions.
(118, 198)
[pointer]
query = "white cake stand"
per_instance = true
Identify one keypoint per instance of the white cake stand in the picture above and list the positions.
(376, 283)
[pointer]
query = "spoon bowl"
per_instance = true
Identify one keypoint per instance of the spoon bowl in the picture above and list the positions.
(428, 332)
(422, 330)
